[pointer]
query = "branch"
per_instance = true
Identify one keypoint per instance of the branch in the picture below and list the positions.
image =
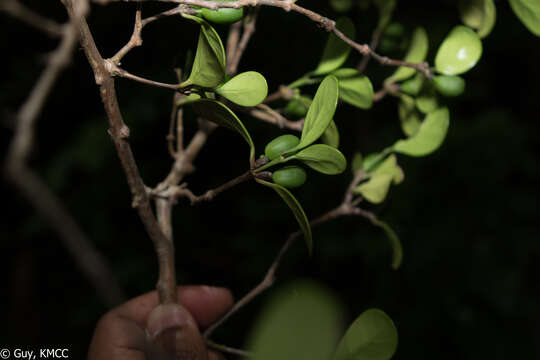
(24, 14)
(271, 116)
(249, 30)
(34, 189)
(232, 44)
(228, 349)
(288, 5)
(119, 132)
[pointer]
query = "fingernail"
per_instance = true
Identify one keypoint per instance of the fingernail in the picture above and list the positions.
(168, 316)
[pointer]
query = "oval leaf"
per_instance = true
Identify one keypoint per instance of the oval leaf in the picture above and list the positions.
(372, 336)
(296, 208)
(459, 51)
(208, 70)
(323, 158)
(376, 188)
(246, 89)
(354, 88)
(429, 136)
(528, 11)
(217, 112)
(301, 321)
(331, 135)
(320, 112)
(417, 53)
(336, 51)
(478, 14)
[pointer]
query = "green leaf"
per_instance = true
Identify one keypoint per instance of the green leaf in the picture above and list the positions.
(478, 14)
(296, 208)
(217, 112)
(397, 249)
(354, 88)
(323, 158)
(528, 11)
(331, 135)
(408, 115)
(246, 89)
(459, 51)
(429, 136)
(208, 69)
(372, 336)
(320, 112)
(417, 53)
(386, 8)
(336, 51)
(301, 321)
(376, 188)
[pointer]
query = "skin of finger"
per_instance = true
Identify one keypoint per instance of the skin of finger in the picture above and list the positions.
(207, 304)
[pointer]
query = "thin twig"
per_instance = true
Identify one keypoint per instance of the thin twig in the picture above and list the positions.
(373, 45)
(275, 118)
(228, 349)
(249, 30)
(119, 132)
(288, 5)
(232, 44)
(24, 14)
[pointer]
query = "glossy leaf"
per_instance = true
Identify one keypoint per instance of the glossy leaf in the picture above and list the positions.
(246, 89)
(528, 11)
(459, 51)
(354, 88)
(372, 336)
(331, 135)
(301, 321)
(386, 8)
(320, 112)
(395, 243)
(408, 115)
(336, 51)
(208, 70)
(217, 112)
(429, 136)
(322, 158)
(417, 53)
(478, 14)
(296, 208)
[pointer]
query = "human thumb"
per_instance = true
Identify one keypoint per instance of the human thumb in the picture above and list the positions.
(173, 334)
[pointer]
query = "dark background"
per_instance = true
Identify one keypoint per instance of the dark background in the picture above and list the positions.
(466, 215)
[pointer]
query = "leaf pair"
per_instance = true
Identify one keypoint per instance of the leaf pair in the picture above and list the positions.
(321, 157)
(376, 188)
(302, 321)
(208, 70)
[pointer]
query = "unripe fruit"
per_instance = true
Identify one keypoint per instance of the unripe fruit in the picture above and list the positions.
(223, 15)
(290, 176)
(449, 85)
(298, 107)
(280, 145)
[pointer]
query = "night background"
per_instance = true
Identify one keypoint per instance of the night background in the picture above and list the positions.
(467, 215)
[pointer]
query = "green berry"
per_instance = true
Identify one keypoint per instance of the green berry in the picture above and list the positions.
(223, 15)
(298, 107)
(280, 145)
(290, 176)
(449, 85)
